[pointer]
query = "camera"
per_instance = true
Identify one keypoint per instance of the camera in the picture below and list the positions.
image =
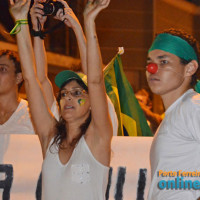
(51, 7)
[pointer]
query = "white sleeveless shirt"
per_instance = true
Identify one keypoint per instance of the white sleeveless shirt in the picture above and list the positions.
(81, 178)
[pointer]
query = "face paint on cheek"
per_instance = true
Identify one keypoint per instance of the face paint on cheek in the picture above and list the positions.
(62, 103)
(81, 102)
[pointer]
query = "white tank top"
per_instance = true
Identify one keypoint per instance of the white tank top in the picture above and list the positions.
(82, 178)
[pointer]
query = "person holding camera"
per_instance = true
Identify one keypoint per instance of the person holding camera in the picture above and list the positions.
(76, 149)
(39, 13)
(38, 19)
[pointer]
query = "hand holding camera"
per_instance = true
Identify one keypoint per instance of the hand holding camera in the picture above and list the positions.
(37, 15)
(39, 12)
(68, 16)
(59, 9)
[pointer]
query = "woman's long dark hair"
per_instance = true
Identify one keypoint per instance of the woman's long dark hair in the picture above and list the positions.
(61, 131)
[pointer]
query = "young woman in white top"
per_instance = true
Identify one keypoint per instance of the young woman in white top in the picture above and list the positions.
(74, 177)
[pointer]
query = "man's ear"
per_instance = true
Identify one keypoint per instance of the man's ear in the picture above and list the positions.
(191, 68)
(19, 78)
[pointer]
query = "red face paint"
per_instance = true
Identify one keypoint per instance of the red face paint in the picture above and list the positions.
(152, 68)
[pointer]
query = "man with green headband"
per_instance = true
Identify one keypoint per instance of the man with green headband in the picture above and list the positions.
(172, 66)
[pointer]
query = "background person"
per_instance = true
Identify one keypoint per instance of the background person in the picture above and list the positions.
(145, 102)
(14, 112)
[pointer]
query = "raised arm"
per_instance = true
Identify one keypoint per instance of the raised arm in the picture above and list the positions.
(42, 119)
(70, 19)
(38, 20)
(96, 86)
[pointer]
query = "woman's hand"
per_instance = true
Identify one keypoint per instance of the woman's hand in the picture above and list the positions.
(68, 16)
(19, 9)
(93, 7)
(37, 13)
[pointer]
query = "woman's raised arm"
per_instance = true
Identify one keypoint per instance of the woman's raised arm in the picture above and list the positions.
(42, 119)
(96, 86)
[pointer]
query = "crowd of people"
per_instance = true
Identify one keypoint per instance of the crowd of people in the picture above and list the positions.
(76, 128)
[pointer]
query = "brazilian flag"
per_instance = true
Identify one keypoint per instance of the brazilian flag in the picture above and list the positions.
(132, 121)
(197, 86)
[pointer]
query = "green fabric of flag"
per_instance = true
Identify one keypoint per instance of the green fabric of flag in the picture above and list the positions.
(132, 121)
(197, 86)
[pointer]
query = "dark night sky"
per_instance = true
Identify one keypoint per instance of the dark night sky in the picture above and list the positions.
(5, 17)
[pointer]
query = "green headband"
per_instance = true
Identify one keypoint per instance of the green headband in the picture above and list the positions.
(175, 45)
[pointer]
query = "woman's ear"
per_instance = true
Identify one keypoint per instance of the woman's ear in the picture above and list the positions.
(19, 78)
(191, 68)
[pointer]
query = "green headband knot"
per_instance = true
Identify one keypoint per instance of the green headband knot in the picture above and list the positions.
(175, 45)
